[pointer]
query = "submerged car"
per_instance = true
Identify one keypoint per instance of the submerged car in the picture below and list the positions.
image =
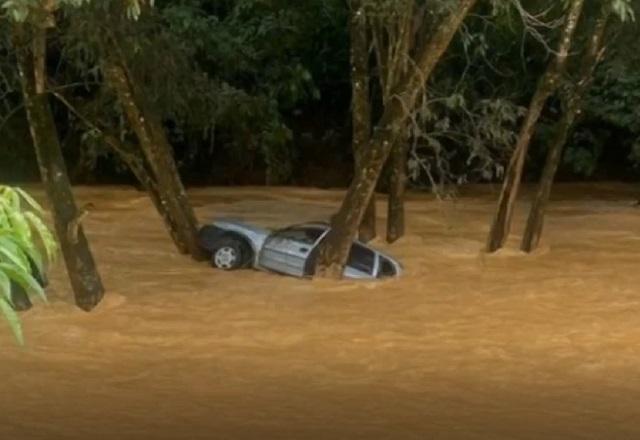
(290, 251)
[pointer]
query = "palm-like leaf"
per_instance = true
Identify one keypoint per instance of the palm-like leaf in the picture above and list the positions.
(26, 245)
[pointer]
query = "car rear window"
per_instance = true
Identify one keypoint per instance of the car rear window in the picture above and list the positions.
(361, 258)
(387, 269)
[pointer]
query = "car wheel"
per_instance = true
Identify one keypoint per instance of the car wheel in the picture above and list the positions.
(229, 254)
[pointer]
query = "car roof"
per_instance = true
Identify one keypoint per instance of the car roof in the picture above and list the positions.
(318, 224)
(327, 225)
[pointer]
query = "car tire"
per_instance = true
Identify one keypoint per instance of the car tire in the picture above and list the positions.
(230, 253)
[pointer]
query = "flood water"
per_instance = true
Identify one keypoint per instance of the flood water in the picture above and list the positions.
(464, 346)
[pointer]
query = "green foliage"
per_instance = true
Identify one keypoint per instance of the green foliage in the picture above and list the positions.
(583, 154)
(612, 111)
(21, 10)
(623, 9)
(223, 76)
(469, 120)
(259, 54)
(615, 97)
(456, 141)
(25, 244)
(248, 85)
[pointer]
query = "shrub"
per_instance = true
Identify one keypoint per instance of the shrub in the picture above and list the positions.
(26, 247)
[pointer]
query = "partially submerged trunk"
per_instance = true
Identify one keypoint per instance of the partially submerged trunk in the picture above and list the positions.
(81, 268)
(397, 189)
(136, 164)
(548, 84)
(361, 111)
(573, 104)
(368, 228)
(394, 43)
(131, 155)
(158, 154)
(335, 249)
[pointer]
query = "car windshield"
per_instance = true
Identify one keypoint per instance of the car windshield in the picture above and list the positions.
(307, 235)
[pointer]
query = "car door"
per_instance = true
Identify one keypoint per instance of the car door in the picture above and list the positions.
(287, 250)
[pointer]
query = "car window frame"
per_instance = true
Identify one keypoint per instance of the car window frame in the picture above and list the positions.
(323, 233)
(374, 263)
(381, 260)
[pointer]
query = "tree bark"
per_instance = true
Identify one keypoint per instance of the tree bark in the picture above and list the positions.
(548, 84)
(83, 275)
(572, 109)
(397, 190)
(137, 166)
(153, 142)
(335, 248)
(361, 112)
(131, 156)
(368, 228)
(397, 64)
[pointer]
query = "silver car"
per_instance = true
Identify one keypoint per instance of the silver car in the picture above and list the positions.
(290, 251)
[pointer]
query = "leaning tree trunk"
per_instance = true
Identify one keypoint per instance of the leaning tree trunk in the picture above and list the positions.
(572, 109)
(548, 84)
(138, 168)
(153, 142)
(335, 248)
(132, 157)
(361, 112)
(83, 275)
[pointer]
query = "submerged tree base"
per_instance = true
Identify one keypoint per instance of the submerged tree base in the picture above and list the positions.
(83, 275)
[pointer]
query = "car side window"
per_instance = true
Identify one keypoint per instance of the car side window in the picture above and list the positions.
(361, 258)
(387, 269)
(305, 235)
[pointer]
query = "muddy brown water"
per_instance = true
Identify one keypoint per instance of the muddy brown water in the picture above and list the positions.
(464, 346)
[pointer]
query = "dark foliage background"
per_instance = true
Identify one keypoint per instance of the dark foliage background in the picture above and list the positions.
(258, 92)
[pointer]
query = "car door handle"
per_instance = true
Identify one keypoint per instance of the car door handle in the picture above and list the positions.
(304, 249)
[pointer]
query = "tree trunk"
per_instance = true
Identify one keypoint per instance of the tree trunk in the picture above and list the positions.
(137, 166)
(83, 275)
(393, 50)
(131, 156)
(335, 248)
(361, 112)
(368, 228)
(548, 84)
(153, 142)
(572, 110)
(533, 230)
(397, 190)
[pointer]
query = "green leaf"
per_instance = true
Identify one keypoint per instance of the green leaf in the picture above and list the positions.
(24, 279)
(12, 253)
(20, 258)
(20, 225)
(5, 286)
(13, 319)
(43, 233)
(30, 201)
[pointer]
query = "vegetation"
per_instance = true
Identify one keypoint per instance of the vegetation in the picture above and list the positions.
(26, 248)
